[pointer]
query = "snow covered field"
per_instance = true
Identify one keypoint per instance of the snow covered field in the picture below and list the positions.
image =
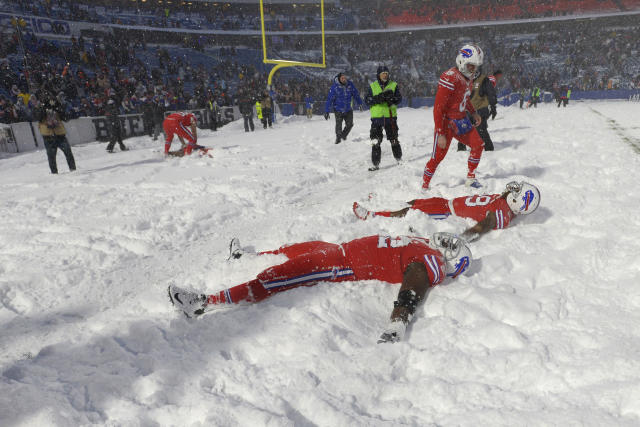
(544, 331)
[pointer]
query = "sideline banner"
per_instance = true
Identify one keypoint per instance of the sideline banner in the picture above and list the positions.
(90, 129)
(44, 26)
(133, 124)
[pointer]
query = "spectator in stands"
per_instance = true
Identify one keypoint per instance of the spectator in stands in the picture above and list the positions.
(383, 97)
(114, 127)
(339, 100)
(266, 107)
(50, 116)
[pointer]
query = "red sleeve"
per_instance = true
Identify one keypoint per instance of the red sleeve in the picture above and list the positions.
(444, 92)
(503, 213)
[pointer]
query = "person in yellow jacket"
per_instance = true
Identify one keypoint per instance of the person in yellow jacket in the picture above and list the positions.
(266, 110)
(564, 97)
(258, 110)
(50, 116)
(383, 98)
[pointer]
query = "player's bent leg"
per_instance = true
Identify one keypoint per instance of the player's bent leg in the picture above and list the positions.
(437, 155)
(248, 292)
(473, 141)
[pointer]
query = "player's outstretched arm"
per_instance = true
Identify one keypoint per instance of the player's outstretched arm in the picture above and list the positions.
(484, 226)
(415, 284)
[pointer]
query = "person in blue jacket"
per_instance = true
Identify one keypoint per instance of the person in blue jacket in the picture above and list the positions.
(308, 105)
(340, 97)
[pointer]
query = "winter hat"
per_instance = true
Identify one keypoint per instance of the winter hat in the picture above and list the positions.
(382, 69)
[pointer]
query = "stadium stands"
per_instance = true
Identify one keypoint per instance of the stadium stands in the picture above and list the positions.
(131, 53)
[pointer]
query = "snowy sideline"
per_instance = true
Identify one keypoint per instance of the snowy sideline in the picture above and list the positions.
(544, 331)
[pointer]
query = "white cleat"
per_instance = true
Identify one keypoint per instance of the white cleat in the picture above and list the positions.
(192, 304)
(473, 183)
(235, 250)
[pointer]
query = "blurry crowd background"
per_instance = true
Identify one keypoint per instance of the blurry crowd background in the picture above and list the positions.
(143, 52)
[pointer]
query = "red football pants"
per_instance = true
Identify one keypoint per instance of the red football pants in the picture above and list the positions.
(471, 139)
(432, 206)
(172, 127)
(308, 263)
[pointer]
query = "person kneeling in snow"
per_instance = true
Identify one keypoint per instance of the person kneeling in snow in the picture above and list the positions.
(415, 262)
(184, 125)
(492, 211)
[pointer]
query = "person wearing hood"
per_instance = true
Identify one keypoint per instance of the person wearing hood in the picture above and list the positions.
(383, 98)
(340, 97)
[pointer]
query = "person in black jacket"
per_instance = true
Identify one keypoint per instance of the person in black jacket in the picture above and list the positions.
(484, 100)
(159, 108)
(213, 109)
(113, 125)
(147, 115)
(245, 104)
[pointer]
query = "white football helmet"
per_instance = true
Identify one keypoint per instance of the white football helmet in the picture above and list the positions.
(523, 198)
(469, 54)
(457, 254)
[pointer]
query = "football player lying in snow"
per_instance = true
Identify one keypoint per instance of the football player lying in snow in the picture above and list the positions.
(491, 211)
(415, 262)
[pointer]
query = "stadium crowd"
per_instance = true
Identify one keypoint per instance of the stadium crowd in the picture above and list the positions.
(138, 67)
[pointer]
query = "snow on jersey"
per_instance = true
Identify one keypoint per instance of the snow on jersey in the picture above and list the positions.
(476, 207)
(386, 258)
(185, 119)
(453, 98)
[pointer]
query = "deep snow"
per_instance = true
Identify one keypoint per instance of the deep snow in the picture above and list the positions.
(544, 331)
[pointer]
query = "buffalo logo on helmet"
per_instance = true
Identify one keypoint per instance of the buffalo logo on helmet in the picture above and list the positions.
(466, 52)
(460, 266)
(527, 199)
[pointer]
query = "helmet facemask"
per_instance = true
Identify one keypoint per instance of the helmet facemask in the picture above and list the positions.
(457, 254)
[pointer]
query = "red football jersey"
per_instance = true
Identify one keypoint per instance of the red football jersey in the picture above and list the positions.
(386, 258)
(476, 207)
(185, 119)
(453, 98)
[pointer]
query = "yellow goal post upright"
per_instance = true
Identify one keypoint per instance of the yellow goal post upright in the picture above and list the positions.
(281, 63)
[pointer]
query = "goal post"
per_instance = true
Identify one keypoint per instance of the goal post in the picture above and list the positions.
(281, 63)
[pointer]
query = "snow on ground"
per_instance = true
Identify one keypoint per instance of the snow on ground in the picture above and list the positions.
(544, 331)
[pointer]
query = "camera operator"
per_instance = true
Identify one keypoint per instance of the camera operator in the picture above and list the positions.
(50, 115)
